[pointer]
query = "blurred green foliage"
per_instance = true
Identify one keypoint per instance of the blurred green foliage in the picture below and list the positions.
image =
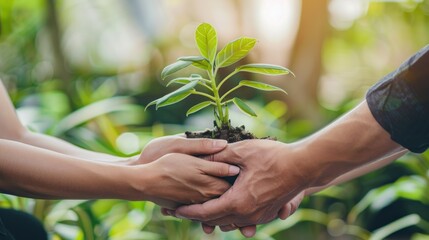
(99, 107)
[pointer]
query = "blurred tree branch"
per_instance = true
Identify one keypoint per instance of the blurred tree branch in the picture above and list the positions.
(306, 62)
(61, 67)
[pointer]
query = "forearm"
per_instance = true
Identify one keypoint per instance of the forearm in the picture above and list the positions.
(39, 173)
(355, 173)
(349, 143)
(60, 146)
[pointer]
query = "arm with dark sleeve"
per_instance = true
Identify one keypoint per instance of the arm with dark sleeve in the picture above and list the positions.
(400, 102)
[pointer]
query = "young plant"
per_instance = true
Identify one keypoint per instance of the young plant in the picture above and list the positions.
(209, 86)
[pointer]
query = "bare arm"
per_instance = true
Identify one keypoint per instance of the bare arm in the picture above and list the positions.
(39, 173)
(35, 172)
(12, 129)
(355, 173)
(351, 146)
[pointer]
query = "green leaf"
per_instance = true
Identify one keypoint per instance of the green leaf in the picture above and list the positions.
(196, 76)
(387, 230)
(234, 51)
(191, 58)
(184, 89)
(206, 39)
(174, 67)
(180, 80)
(203, 64)
(179, 91)
(185, 80)
(266, 69)
(85, 223)
(174, 99)
(243, 106)
(197, 61)
(260, 86)
(198, 107)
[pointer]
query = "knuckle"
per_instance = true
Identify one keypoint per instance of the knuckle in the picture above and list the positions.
(239, 209)
(223, 170)
(208, 193)
(214, 191)
(219, 189)
(203, 215)
(210, 158)
(170, 155)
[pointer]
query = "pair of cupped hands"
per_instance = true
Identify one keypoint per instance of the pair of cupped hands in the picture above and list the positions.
(187, 181)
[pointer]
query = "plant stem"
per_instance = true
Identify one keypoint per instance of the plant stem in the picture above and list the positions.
(206, 86)
(226, 78)
(203, 94)
(212, 77)
(230, 91)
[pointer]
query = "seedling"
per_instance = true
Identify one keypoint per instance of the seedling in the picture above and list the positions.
(209, 86)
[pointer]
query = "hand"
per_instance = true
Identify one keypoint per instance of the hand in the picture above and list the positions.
(176, 179)
(249, 231)
(265, 184)
(177, 144)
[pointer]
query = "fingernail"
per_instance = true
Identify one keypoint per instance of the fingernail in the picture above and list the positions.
(170, 213)
(248, 233)
(179, 216)
(219, 143)
(233, 170)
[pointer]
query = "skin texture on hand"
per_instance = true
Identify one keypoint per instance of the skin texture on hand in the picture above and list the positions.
(273, 173)
(176, 179)
(263, 187)
(159, 147)
(249, 231)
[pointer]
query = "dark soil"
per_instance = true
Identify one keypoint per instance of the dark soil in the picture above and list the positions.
(231, 134)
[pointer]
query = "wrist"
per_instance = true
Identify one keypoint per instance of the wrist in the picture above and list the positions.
(140, 180)
(319, 167)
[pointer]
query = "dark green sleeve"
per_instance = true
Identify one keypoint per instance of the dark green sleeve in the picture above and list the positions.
(400, 102)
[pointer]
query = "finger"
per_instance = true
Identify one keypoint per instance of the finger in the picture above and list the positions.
(180, 135)
(164, 211)
(207, 228)
(248, 231)
(232, 154)
(218, 169)
(167, 212)
(200, 146)
(285, 211)
(228, 228)
(289, 208)
(205, 212)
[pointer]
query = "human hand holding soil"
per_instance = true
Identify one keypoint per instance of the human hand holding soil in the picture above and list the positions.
(273, 173)
(161, 146)
(176, 179)
(260, 191)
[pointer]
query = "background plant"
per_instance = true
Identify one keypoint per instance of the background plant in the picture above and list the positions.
(211, 62)
(103, 110)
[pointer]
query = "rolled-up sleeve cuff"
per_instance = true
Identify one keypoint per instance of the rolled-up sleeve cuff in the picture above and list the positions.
(396, 107)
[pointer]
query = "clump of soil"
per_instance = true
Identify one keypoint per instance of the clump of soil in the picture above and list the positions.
(229, 133)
